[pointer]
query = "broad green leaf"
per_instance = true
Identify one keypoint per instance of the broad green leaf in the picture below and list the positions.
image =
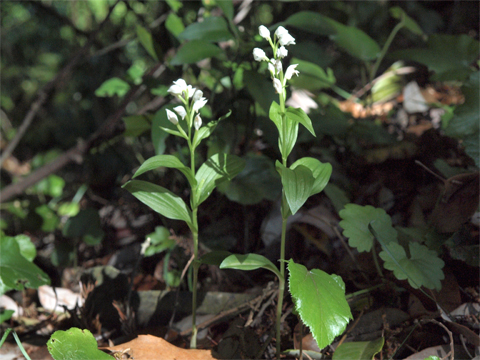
(160, 200)
(168, 161)
(287, 142)
(227, 8)
(160, 123)
(257, 181)
(27, 249)
(136, 124)
(351, 39)
(465, 120)
(111, 87)
(260, 88)
(297, 183)
(355, 226)
(249, 262)
(5, 314)
(423, 268)
(359, 350)
(410, 24)
(320, 300)
(160, 241)
(217, 169)
(52, 186)
(301, 117)
(207, 130)
(211, 29)
(174, 24)
(175, 5)
(16, 271)
(75, 344)
(321, 172)
(147, 42)
(194, 51)
(313, 77)
(214, 257)
(275, 115)
(449, 56)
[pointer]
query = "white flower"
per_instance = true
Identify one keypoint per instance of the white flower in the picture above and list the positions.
(282, 52)
(197, 105)
(284, 38)
(271, 68)
(264, 32)
(197, 95)
(180, 110)
(277, 85)
(178, 88)
(197, 122)
(259, 54)
(190, 91)
(291, 71)
(172, 117)
(278, 66)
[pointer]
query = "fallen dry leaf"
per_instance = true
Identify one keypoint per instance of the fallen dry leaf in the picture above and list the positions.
(147, 347)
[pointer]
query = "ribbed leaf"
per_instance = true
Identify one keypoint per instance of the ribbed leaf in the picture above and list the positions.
(168, 161)
(249, 262)
(321, 172)
(297, 183)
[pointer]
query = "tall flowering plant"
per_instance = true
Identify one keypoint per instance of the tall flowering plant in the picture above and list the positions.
(319, 297)
(218, 168)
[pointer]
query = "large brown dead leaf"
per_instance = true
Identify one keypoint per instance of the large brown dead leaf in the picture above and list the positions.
(147, 347)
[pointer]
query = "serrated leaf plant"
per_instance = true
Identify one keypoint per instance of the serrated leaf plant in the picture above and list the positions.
(305, 177)
(217, 169)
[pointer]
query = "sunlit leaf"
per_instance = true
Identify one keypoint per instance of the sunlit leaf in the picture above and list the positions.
(359, 350)
(355, 225)
(174, 24)
(320, 300)
(160, 240)
(297, 183)
(160, 200)
(111, 87)
(147, 42)
(75, 344)
(168, 161)
(321, 172)
(249, 262)
(211, 29)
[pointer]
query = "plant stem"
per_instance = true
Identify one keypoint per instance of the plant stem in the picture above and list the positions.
(281, 284)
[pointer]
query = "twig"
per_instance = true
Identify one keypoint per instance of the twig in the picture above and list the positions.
(452, 349)
(48, 88)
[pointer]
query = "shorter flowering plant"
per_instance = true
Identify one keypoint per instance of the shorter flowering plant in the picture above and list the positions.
(218, 168)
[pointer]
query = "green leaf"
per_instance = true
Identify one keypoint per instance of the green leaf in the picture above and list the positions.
(160, 123)
(321, 172)
(75, 344)
(249, 262)
(136, 124)
(298, 115)
(352, 40)
(297, 183)
(174, 24)
(410, 24)
(16, 271)
(175, 5)
(160, 241)
(168, 161)
(320, 300)
(359, 350)
(160, 200)
(227, 8)
(260, 88)
(111, 87)
(287, 142)
(5, 314)
(86, 222)
(275, 115)
(337, 196)
(257, 181)
(194, 51)
(313, 76)
(217, 169)
(449, 56)
(355, 224)
(27, 249)
(214, 257)
(423, 268)
(147, 42)
(211, 29)
(207, 130)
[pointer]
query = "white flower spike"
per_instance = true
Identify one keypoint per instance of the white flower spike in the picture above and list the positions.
(172, 117)
(180, 110)
(264, 32)
(278, 66)
(284, 38)
(271, 68)
(259, 54)
(291, 71)
(282, 52)
(200, 103)
(277, 85)
(197, 122)
(178, 87)
(198, 95)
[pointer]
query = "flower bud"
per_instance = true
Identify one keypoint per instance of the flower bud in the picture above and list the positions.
(284, 38)
(271, 68)
(277, 85)
(264, 32)
(180, 110)
(197, 122)
(278, 66)
(197, 95)
(197, 105)
(259, 54)
(178, 87)
(172, 117)
(291, 71)
(282, 52)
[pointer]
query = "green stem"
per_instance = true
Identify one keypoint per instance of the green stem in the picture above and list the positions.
(281, 285)
(386, 46)
(375, 260)
(193, 340)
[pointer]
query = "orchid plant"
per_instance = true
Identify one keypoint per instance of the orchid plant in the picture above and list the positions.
(218, 168)
(319, 297)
